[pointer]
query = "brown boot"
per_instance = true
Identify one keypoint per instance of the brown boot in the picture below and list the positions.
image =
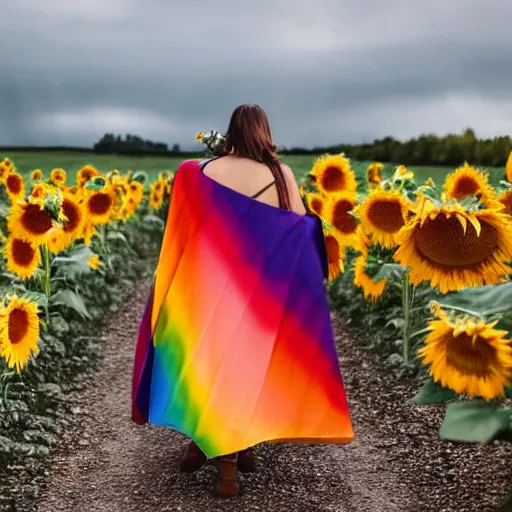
(193, 458)
(247, 461)
(227, 484)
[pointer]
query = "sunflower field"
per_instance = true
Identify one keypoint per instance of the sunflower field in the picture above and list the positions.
(71, 252)
(424, 270)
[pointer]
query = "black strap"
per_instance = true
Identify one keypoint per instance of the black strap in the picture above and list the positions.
(262, 190)
(205, 162)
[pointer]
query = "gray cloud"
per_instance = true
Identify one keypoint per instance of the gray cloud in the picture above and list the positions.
(325, 71)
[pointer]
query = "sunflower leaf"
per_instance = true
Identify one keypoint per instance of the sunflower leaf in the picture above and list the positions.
(433, 393)
(152, 222)
(386, 270)
(483, 299)
(116, 236)
(474, 422)
(75, 265)
(71, 300)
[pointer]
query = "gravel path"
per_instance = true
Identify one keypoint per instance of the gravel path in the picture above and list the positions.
(106, 463)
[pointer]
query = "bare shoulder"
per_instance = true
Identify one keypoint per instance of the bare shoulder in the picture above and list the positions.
(286, 168)
(287, 171)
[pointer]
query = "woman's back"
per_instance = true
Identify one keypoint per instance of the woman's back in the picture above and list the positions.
(254, 179)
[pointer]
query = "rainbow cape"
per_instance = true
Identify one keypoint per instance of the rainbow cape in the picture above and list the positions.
(236, 345)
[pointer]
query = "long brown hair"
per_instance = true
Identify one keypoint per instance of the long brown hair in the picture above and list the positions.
(249, 136)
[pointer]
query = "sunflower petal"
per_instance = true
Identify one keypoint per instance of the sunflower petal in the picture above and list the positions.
(475, 223)
(463, 221)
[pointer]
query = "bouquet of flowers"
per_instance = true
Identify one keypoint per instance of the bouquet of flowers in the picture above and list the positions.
(213, 139)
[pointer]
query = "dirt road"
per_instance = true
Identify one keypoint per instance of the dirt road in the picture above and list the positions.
(107, 463)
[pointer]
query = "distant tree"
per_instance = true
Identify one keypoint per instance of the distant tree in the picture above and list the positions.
(176, 148)
(131, 144)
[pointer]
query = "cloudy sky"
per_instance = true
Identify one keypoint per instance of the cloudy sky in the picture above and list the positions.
(326, 71)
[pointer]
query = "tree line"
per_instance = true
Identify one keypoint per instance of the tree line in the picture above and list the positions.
(430, 149)
(131, 144)
(449, 150)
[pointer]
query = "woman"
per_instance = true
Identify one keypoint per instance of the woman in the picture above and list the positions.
(236, 347)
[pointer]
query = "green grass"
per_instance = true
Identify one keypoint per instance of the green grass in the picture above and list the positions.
(301, 164)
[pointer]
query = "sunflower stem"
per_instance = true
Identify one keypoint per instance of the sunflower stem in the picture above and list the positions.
(47, 279)
(102, 230)
(406, 305)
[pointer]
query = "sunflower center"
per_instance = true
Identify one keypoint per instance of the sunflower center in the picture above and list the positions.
(317, 205)
(72, 212)
(464, 187)
(14, 183)
(332, 248)
(37, 191)
(386, 215)
(100, 203)
(22, 252)
(476, 358)
(442, 241)
(18, 325)
(333, 179)
(341, 219)
(36, 220)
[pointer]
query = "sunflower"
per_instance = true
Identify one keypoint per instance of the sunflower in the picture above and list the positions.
(58, 177)
(334, 174)
(74, 211)
(505, 198)
(22, 257)
(29, 221)
(157, 186)
(136, 190)
(15, 186)
(19, 332)
(129, 207)
(383, 213)
(56, 240)
(94, 262)
(199, 136)
(508, 168)
(316, 203)
(371, 289)
(85, 174)
(468, 356)
(39, 190)
(402, 173)
(156, 200)
(466, 181)
(36, 175)
(338, 213)
(453, 248)
(4, 171)
(373, 174)
(335, 254)
(100, 205)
